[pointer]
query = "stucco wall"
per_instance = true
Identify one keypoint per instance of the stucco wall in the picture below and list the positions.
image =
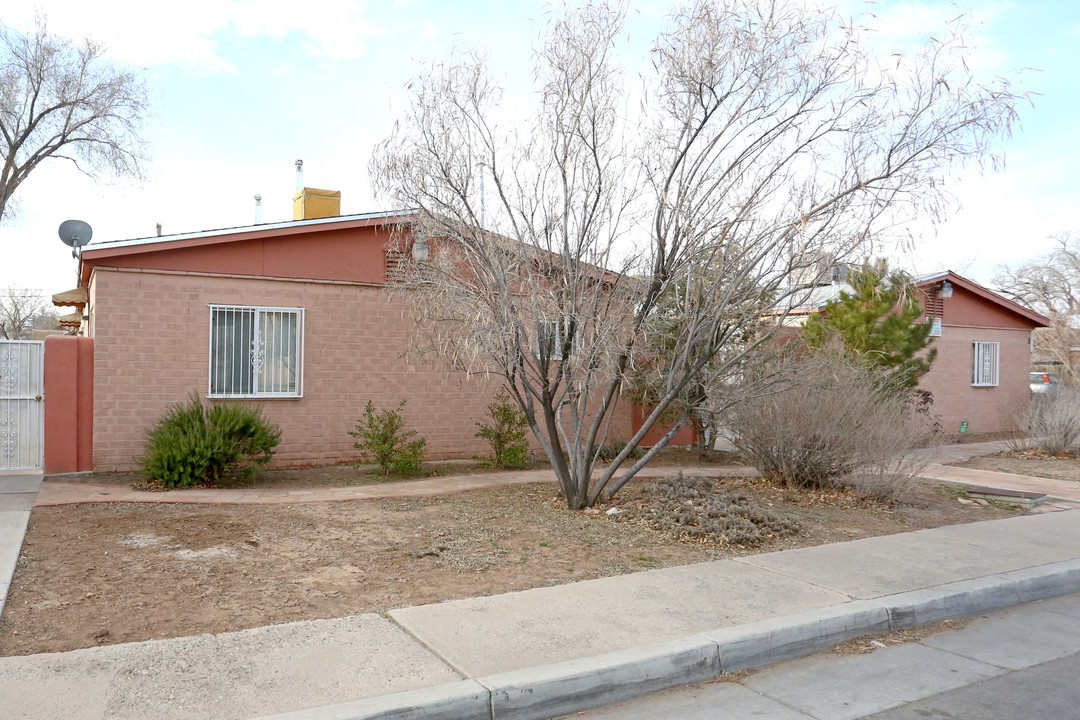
(152, 345)
(987, 409)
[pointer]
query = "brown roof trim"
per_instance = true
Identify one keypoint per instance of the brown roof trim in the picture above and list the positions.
(91, 253)
(976, 289)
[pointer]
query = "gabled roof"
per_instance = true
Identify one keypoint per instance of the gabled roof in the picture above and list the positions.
(818, 297)
(926, 281)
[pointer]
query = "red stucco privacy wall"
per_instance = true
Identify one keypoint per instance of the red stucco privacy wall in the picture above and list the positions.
(151, 333)
(69, 404)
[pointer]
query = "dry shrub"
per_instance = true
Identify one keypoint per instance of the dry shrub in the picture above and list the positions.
(701, 510)
(827, 420)
(1054, 421)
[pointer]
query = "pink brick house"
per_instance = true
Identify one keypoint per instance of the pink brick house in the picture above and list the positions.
(292, 315)
(980, 377)
(979, 380)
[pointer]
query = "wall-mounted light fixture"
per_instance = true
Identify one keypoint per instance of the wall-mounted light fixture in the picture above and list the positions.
(945, 291)
(420, 251)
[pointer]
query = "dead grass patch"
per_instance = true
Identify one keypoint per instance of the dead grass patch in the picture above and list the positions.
(108, 573)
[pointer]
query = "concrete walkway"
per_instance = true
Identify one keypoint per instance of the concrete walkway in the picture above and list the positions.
(58, 492)
(940, 470)
(17, 494)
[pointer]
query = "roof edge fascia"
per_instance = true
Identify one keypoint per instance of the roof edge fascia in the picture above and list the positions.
(247, 232)
(985, 293)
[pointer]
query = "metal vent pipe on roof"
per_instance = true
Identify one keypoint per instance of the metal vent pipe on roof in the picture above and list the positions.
(299, 175)
(258, 209)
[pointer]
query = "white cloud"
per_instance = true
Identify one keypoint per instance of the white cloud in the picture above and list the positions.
(197, 33)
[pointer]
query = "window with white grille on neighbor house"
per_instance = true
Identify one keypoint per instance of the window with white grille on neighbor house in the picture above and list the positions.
(984, 370)
(256, 351)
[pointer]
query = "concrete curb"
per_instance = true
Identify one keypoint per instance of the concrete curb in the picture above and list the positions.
(561, 688)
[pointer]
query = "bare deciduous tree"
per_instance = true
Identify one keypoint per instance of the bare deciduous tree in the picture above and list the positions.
(1050, 285)
(61, 100)
(22, 311)
(765, 136)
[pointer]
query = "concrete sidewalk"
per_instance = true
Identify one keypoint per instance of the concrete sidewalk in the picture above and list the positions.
(1057, 489)
(939, 469)
(17, 495)
(549, 651)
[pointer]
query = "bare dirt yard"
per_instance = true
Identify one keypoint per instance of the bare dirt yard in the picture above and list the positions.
(1028, 463)
(98, 574)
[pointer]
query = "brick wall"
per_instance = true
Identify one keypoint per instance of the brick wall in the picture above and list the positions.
(987, 409)
(152, 346)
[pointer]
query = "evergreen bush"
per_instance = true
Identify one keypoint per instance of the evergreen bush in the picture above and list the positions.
(196, 445)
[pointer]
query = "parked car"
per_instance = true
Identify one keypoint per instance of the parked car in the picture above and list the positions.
(1043, 382)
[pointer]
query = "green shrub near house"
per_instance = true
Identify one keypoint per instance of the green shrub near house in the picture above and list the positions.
(506, 432)
(198, 445)
(382, 438)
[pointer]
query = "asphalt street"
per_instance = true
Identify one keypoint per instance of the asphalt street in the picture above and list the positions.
(1020, 664)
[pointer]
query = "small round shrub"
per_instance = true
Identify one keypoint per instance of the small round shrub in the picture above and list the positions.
(383, 437)
(198, 445)
(506, 432)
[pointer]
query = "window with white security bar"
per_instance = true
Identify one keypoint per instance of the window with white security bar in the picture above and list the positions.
(256, 351)
(984, 370)
(549, 339)
(551, 334)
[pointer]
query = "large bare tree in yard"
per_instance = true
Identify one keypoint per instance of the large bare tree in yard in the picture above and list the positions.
(562, 245)
(1051, 285)
(62, 100)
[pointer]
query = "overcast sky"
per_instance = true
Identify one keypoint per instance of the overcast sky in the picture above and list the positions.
(242, 89)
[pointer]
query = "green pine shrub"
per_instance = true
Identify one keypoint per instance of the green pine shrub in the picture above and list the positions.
(198, 445)
(383, 439)
(506, 433)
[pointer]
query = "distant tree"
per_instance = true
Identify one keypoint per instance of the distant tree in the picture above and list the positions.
(22, 311)
(876, 323)
(1050, 285)
(62, 100)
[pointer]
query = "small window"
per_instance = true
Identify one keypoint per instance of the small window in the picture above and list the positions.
(984, 371)
(256, 351)
(549, 339)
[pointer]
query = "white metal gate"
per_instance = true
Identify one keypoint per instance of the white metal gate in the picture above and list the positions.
(22, 369)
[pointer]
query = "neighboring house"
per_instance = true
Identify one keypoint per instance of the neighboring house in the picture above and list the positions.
(292, 315)
(979, 381)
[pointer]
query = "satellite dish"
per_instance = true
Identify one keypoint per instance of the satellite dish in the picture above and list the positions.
(75, 233)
